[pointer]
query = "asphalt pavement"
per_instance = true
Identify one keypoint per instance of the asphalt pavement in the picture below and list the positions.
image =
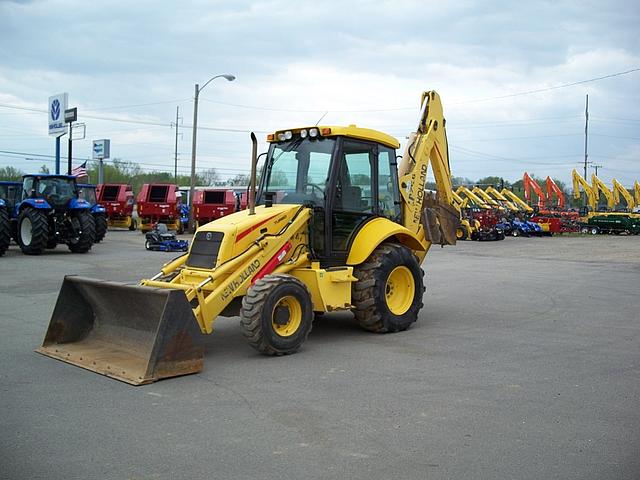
(524, 364)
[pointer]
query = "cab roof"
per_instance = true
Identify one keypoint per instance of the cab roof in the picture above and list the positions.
(49, 175)
(351, 131)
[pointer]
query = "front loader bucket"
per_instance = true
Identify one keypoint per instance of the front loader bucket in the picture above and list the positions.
(134, 334)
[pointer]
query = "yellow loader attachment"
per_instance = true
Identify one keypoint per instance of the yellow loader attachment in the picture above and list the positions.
(131, 333)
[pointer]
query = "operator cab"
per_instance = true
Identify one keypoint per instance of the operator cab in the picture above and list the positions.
(88, 193)
(57, 190)
(347, 175)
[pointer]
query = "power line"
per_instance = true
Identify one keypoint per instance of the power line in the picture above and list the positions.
(139, 122)
(547, 89)
(179, 100)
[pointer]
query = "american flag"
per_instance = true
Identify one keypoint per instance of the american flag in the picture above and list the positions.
(80, 171)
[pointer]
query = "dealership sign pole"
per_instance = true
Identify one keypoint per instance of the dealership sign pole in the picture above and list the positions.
(57, 106)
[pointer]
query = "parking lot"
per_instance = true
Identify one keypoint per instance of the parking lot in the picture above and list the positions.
(524, 364)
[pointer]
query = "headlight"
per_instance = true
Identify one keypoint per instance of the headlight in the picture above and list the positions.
(313, 133)
(303, 134)
(281, 137)
(288, 135)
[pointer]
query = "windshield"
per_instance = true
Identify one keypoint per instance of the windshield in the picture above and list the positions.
(59, 188)
(88, 194)
(297, 170)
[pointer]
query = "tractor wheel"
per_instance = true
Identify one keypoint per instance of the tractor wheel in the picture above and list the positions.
(83, 222)
(33, 231)
(461, 233)
(5, 234)
(594, 230)
(52, 242)
(101, 227)
(388, 294)
(277, 314)
(515, 232)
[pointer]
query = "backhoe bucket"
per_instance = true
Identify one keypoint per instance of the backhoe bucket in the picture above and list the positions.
(440, 221)
(134, 334)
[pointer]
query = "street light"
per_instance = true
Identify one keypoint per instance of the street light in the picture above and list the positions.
(192, 187)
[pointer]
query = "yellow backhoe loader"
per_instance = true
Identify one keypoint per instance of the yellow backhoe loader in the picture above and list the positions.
(337, 224)
(598, 186)
(488, 199)
(467, 194)
(521, 204)
(618, 191)
(502, 199)
(469, 227)
(578, 182)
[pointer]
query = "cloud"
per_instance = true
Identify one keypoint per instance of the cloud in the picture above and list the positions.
(363, 62)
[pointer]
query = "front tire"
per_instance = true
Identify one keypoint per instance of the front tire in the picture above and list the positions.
(33, 231)
(388, 294)
(101, 227)
(85, 223)
(277, 314)
(5, 231)
(461, 233)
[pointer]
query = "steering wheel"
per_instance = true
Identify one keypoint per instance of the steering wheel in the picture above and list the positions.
(316, 187)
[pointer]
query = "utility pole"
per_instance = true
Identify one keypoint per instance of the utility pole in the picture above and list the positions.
(586, 132)
(175, 165)
(192, 186)
(596, 167)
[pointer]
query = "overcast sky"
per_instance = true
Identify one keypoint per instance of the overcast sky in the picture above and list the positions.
(128, 65)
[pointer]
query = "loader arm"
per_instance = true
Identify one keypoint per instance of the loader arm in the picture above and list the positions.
(488, 199)
(531, 184)
(599, 186)
(501, 198)
(459, 201)
(579, 181)
(553, 188)
(214, 289)
(636, 191)
(426, 146)
(618, 190)
(524, 206)
(462, 190)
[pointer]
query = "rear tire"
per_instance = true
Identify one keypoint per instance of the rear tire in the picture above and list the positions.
(33, 231)
(388, 294)
(86, 224)
(5, 231)
(594, 230)
(101, 227)
(277, 314)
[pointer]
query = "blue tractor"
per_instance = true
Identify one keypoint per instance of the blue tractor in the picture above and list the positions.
(50, 213)
(88, 192)
(9, 192)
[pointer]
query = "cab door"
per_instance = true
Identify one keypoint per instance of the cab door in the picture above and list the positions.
(363, 186)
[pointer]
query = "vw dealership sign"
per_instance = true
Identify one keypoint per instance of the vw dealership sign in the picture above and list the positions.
(57, 106)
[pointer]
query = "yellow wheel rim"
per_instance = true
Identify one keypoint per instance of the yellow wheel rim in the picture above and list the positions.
(459, 233)
(400, 290)
(286, 316)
